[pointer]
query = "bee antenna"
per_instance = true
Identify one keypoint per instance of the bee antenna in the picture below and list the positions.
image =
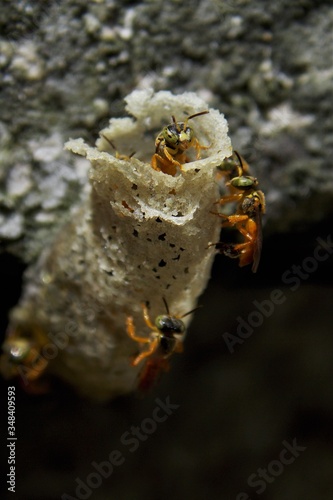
(197, 114)
(175, 123)
(239, 159)
(166, 305)
(190, 312)
(108, 140)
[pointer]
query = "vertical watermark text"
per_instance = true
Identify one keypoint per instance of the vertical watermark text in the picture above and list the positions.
(11, 440)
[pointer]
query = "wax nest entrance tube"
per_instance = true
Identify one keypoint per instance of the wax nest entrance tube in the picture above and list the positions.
(138, 236)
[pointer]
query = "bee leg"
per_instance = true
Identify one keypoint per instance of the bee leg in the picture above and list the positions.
(146, 317)
(32, 367)
(152, 348)
(161, 164)
(153, 341)
(198, 147)
(172, 159)
(155, 160)
(245, 252)
(247, 235)
(228, 250)
(132, 334)
(235, 220)
(229, 199)
(37, 368)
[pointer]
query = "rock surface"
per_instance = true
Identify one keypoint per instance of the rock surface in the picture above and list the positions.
(67, 65)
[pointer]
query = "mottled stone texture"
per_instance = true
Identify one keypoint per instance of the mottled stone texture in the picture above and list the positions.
(66, 67)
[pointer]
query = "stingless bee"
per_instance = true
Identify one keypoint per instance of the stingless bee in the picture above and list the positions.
(251, 205)
(166, 337)
(171, 145)
(22, 357)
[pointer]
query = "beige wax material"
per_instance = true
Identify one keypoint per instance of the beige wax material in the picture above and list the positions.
(138, 236)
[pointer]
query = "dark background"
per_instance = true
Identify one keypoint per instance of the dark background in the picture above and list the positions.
(235, 410)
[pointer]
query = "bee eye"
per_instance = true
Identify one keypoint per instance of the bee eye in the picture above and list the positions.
(18, 349)
(189, 132)
(170, 134)
(169, 325)
(243, 182)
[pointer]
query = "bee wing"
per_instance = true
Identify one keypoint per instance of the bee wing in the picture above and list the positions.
(151, 373)
(258, 242)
